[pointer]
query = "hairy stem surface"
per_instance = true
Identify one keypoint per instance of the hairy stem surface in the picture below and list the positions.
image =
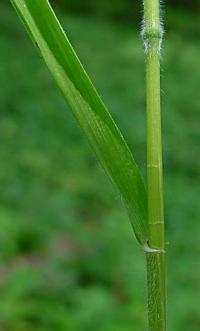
(155, 257)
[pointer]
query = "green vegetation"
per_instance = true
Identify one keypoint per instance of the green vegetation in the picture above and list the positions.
(156, 298)
(124, 10)
(66, 266)
(105, 138)
(88, 108)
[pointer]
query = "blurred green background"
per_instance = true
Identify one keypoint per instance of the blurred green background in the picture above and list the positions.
(69, 261)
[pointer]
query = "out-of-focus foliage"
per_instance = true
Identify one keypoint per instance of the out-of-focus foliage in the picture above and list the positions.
(68, 258)
(125, 10)
(121, 9)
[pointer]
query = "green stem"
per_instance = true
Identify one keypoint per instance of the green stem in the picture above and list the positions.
(155, 255)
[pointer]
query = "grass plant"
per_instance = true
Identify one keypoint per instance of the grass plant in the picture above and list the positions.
(145, 210)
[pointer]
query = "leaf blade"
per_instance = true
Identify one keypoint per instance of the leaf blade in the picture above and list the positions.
(89, 110)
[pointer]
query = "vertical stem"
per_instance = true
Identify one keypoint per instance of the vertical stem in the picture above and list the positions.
(155, 255)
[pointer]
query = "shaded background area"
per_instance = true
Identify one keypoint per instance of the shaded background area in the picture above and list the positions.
(68, 258)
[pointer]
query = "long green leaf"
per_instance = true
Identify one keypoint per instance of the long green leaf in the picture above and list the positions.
(86, 105)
